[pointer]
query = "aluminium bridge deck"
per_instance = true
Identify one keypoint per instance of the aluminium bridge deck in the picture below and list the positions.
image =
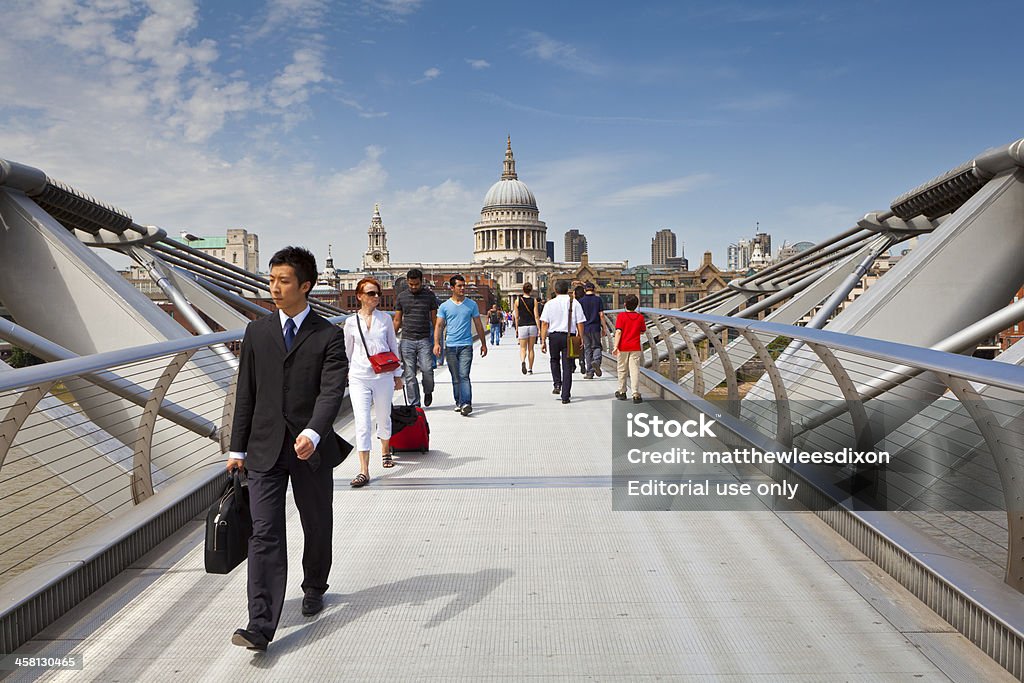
(497, 555)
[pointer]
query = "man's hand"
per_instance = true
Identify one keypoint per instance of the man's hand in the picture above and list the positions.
(398, 383)
(437, 350)
(483, 350)
(235, 464)
(543, 346)
(615, 352)
(304, 447)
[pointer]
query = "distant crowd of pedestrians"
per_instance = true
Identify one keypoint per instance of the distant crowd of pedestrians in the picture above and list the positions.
(294, 367)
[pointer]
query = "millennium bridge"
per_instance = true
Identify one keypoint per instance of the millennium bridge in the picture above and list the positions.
(512, 548)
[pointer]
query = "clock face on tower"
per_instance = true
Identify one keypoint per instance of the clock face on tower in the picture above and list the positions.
(377, 256)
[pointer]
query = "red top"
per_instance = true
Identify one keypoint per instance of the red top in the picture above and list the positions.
(632, 325)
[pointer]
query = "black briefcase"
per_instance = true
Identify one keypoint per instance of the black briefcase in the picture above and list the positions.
(228, 528)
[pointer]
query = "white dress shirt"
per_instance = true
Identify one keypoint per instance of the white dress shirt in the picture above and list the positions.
(556, 314)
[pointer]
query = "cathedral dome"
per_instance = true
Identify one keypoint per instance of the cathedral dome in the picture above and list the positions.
(510, 192)
(510, 225)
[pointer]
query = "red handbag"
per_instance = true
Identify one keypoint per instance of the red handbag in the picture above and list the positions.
(384, 362)
(380, 362)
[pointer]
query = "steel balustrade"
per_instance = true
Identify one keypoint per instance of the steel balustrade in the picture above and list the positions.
(854, 364)
(61, 474)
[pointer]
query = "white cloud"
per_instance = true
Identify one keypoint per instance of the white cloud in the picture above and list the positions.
(547, 49)
(307, 14)
(204, 113)
(432, 223)
(662, 189)
(397, 8)
(430, 74)
(289, 88)
(363, 111)
(478, 63)
(125, 103)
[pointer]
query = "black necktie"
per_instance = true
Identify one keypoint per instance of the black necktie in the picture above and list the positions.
(289, 334)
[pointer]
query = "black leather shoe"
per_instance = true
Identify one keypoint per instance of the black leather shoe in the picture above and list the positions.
(312, 603)
(428, 398)
(565, 400)
(252, 640)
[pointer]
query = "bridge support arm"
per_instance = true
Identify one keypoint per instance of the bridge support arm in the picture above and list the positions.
(1002, 444)
(142, 462)
(727, 367)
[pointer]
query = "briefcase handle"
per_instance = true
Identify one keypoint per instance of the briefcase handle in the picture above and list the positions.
(237, 482)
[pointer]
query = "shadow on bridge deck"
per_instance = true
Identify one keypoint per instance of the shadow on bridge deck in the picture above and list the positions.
(497, 554)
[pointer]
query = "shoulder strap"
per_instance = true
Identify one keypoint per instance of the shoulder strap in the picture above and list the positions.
(360, 328)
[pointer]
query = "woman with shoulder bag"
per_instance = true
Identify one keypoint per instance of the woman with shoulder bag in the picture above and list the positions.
(374, 373)
(525, 315)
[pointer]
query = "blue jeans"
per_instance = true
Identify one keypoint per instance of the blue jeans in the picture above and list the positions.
(417, 354)
(460, 360)
(495, 334)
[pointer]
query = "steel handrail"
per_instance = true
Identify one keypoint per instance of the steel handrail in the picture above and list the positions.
(972, 369)
(49, 372)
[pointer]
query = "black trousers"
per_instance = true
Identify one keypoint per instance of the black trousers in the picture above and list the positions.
(268, 547)
(561, 365)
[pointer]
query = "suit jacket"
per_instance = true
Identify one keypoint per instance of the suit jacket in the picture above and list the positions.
(281, 393)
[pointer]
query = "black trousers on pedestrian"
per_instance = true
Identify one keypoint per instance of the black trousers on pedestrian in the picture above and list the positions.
(268, 547)
(561, 365)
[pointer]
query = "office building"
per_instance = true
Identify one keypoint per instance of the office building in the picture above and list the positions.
(663, 247)
(575, 246)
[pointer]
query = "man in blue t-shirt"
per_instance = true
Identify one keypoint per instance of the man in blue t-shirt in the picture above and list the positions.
(456, 319)
(593, 329)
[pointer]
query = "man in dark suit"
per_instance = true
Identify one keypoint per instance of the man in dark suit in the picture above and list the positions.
(291, 378)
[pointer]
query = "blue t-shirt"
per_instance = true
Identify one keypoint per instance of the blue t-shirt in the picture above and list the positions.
(458, 320)
(592, 306)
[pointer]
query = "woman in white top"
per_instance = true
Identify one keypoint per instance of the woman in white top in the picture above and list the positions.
(366, 388)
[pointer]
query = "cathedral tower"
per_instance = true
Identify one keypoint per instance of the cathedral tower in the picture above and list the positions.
(376, 255)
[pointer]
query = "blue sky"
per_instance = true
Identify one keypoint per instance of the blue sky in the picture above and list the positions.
(291, 118)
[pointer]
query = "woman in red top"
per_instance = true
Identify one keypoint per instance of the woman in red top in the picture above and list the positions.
(626, 345)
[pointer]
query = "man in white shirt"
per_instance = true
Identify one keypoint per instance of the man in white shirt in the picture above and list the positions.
(561, 320)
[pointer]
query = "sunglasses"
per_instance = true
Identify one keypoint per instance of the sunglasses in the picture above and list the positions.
(371, 292)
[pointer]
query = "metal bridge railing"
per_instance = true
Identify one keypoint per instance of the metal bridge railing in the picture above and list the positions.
(101, 457)
(953, 424)
(951, 521)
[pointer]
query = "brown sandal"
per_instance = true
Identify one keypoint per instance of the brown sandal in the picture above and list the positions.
(386, 460)
(360, 480)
